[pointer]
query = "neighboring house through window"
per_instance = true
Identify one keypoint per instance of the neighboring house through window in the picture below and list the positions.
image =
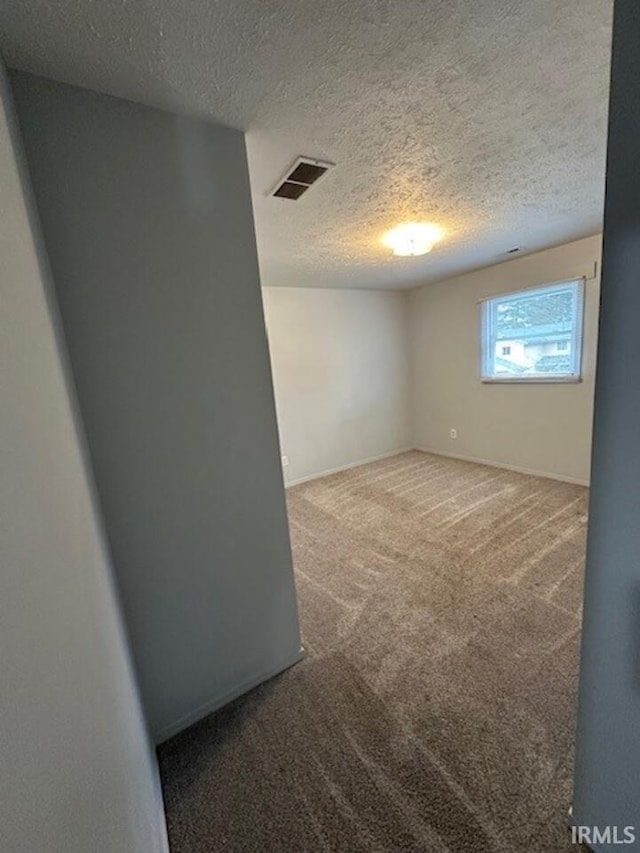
(533, 334)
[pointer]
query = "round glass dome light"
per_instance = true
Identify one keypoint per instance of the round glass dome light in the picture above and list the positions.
(412, 238)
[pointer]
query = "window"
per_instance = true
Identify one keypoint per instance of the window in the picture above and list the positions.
(533, 335)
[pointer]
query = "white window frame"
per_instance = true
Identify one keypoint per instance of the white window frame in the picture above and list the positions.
(488, 338)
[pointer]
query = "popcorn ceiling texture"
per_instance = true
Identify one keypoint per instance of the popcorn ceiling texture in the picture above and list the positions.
(486, 116)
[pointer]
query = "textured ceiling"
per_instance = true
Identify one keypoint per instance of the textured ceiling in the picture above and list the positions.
(485, 116)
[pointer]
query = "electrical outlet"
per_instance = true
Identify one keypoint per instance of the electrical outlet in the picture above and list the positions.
(285, 461)
(453, 433)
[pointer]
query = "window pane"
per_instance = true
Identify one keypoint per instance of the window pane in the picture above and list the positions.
(533, 334)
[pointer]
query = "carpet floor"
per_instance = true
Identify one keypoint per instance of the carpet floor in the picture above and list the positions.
(440, 604)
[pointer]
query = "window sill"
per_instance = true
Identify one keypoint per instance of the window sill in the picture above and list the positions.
(531, 380)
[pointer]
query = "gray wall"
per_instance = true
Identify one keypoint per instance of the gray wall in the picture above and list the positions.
(341, 376)
(77, 774)
(607, 788)
(148, 224)
(537, 428)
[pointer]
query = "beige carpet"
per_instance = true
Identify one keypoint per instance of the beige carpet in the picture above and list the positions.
(440, 607)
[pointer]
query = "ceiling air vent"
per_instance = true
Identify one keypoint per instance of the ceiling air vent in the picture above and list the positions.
(304, 173)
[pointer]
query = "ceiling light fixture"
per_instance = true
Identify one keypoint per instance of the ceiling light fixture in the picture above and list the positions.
(412, 238)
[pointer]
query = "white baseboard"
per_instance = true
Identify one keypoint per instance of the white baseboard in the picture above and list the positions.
(218, 702)
(516, 468)
(346, 467)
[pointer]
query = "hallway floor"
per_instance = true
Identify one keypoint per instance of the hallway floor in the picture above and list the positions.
(434, 711)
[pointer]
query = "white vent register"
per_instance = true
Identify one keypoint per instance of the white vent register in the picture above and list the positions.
(302, 175)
